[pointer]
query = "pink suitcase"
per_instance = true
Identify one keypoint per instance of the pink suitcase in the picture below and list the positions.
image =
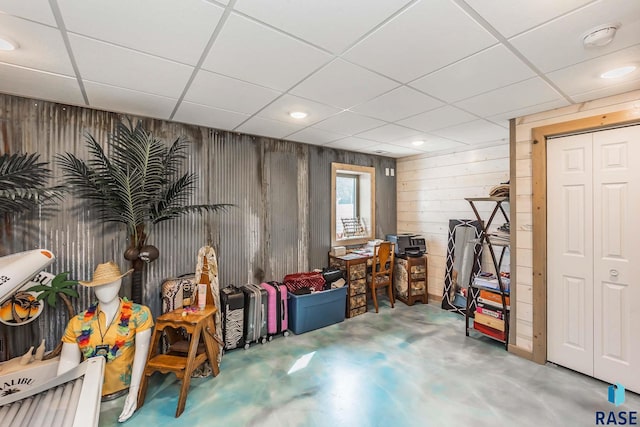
(277, 316)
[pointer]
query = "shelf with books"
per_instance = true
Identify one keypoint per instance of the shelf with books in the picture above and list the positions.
(491, 316)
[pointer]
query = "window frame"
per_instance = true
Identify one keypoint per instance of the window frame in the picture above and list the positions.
(366, 201)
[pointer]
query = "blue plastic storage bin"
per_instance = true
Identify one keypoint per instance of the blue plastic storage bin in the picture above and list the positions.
(316, 310)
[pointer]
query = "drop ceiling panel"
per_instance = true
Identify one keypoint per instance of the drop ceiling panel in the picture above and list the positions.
(150, 26)
(437, 119)
(331, 24)
(215, 90)
(430, 143)
(388, 133)
(482, 72)
(397, 104)
(266, 127)
(40, 47)
(502, 119)
(116, 66)
(389, 150)
(216, 118)
(476, 132)
(558, 43)
(280, 109)
(343, 85)
(40, 85)
(314, 136)
(348, 123)
(427, 36)
(434, 143)
(520, 95)
(515, 16)
(105, 97)
(353, 143)
(258, 54)
(34, 10)
(618, 88)
(585, 76)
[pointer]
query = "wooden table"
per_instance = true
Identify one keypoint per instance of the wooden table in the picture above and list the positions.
(198, 324)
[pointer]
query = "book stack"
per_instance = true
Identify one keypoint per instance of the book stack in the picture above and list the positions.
(490, 281)
(489, 316)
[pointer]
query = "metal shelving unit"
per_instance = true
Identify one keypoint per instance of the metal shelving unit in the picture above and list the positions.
(485, 238)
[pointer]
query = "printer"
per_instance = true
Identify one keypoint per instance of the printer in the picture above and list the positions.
(407, 244)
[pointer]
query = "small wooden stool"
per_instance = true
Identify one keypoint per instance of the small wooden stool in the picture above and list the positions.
(199, 324)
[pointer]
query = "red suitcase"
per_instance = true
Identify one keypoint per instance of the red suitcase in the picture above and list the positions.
(312, 280)
(277, 316)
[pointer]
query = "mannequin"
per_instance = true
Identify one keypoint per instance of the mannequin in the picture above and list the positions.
(110, 329)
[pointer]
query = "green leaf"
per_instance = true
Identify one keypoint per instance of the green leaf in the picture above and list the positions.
(70, 292)
(51, 299)
(38, 288)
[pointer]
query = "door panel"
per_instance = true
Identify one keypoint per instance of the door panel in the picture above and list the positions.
(570, 253)
(617, 256)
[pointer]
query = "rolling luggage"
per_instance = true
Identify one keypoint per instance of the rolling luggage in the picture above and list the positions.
(255, 314)
(232, 305)
(277, 317)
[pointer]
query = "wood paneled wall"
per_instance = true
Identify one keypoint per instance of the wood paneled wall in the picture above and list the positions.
(431, 190)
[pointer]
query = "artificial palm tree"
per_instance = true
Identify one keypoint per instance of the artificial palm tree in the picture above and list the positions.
(138, 185)
(23, 182)
(60, 287)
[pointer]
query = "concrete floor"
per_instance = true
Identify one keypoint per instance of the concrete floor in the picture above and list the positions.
(407, 366)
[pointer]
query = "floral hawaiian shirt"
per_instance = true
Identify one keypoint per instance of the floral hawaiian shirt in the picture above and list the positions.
(116, 341)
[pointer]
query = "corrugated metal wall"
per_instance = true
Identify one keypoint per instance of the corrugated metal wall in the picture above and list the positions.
(280, 223)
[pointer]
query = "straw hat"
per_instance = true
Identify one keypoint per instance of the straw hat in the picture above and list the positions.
(105, 273)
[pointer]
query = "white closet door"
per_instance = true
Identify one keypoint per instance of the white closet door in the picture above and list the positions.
(616, 180)
(570, 252)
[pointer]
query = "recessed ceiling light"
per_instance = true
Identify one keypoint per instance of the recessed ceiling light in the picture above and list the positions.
(7, 44)
(416, 143)
(298, 114)
(618, 72)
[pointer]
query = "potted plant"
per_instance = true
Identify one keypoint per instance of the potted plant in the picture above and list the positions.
(138, 185)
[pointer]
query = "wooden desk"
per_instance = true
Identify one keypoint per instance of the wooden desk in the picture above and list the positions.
(199, 324)
(355, 268)
(410, 279)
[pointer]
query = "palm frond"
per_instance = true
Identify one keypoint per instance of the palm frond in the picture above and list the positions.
(22, 183)
(175, 155)
(129, 190)
(99, 163)
(172, 213)
(83, 178)
(98, 192)
(22, 170)
(138, 149)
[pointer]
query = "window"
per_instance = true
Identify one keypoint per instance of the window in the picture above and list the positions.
(352, 204)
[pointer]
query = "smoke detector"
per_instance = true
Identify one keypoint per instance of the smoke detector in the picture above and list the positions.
(600, 36)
